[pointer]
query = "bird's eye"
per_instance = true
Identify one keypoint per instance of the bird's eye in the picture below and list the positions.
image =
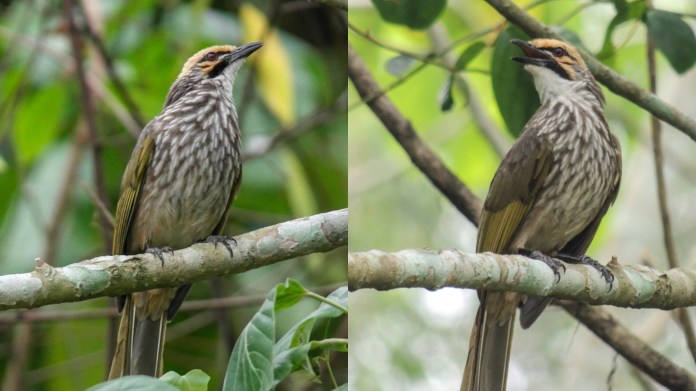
(558, 52)
(212, 56)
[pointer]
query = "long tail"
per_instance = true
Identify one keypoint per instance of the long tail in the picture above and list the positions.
(489, 345)
(139, 346)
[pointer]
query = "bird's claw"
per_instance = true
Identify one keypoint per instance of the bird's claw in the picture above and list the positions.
(158, 251)
(585, 260)
(225, 240)
(551, 262)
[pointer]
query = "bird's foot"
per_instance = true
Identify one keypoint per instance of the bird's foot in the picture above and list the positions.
(158, 251)
(585, 260)
(226, 241)
(551, 262)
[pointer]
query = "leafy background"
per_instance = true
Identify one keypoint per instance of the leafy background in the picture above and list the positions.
(417, 340)
(293, 84)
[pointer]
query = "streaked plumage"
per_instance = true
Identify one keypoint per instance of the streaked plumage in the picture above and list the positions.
(176, 190)
(549, 194)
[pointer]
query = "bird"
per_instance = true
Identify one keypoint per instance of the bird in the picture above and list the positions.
(547, 197)
(183, 174)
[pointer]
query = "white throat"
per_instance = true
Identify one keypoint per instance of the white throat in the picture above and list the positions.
(549, 85)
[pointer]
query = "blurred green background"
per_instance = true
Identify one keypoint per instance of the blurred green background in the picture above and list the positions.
(418, 340)
(291, 95)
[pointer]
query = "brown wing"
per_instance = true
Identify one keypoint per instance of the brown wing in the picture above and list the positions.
(513, 190)
(131, 184)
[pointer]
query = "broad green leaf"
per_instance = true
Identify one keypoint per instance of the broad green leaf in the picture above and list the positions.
(512, 85)
(624, 12)
(446, 100)
(272, 64)
(399, 64)
(469, 54)
(342, 387)
(250, 367)
(287, 360)
(415, 14)
(292, 349)
(193, 380)
(289, 294)
(673, 37)
(299, 333)
(134, 383)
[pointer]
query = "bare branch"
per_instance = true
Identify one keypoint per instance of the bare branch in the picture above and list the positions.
(122, 274)
(635, 286)
(90, 118)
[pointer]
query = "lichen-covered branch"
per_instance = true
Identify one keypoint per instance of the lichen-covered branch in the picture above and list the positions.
(118, 275)
(634, 286)
(605, 75)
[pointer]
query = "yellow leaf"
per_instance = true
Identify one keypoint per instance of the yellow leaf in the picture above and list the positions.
(272, 64)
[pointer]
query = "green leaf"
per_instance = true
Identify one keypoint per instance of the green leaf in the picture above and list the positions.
(134, 383)
(293, 348)
(512, 86)
(673, 37)
(415, 14)
(399, 64)
(342, 387)
(469, 54)
(289, 294)
(624, 13)
(250, 366)
(446, 101)
(194, 380)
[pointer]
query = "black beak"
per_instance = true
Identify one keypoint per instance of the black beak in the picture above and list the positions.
(243, 51)
(533, 55)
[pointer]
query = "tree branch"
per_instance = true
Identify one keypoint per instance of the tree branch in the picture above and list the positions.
(635, 286)
(605, 75)
(637, 352)
(122, 274)
(422, 156)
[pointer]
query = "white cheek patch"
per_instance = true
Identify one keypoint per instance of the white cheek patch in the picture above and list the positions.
(549, 84)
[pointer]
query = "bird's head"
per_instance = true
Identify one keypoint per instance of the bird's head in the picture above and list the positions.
(214, 67)
(556, 66)
(215, 61)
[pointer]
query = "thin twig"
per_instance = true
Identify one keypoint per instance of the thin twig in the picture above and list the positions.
(494, 135)
(424, 61)
(90, 118)
(21, 344)
(120, 87)
(682, 313)
(52, 231)
(98, 204)
(317, 118)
